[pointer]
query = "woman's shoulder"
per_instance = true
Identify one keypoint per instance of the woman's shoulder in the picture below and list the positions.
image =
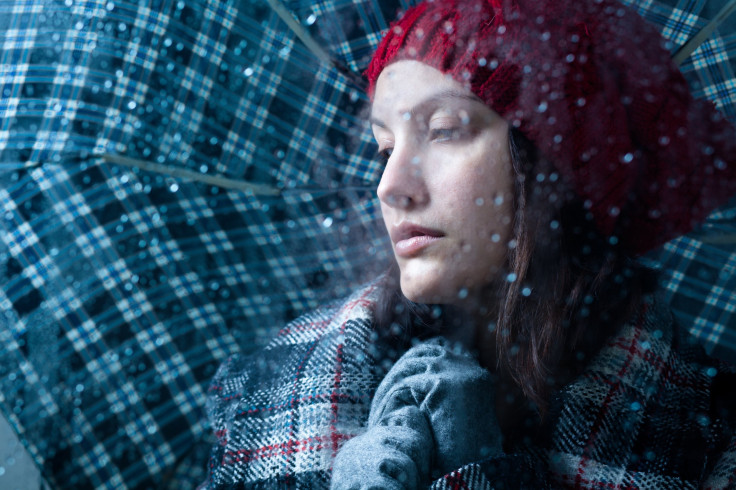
(283, 411)
(327, 324)
(654, 341)
(649, 406)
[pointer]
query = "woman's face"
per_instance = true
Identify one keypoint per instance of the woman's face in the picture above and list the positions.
(447, 190)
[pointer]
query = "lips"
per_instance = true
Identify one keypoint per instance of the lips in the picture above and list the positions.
(410, 239)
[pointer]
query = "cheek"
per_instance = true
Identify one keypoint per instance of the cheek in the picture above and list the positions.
(385, 215)
(493, 213)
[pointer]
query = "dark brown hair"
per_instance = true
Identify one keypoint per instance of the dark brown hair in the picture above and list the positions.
(566, 290)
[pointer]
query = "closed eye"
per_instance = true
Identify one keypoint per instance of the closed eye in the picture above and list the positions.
(384, 154)
(442, 135)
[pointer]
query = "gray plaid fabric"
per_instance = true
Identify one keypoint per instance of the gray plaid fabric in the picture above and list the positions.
(649, 411)
(123, 288)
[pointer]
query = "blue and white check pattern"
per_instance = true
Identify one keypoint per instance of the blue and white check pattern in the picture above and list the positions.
(123, 289)
(699, 270)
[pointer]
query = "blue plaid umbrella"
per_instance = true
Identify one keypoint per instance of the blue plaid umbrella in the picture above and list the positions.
(179, 179)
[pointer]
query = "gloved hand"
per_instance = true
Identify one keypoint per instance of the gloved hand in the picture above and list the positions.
(432, 413)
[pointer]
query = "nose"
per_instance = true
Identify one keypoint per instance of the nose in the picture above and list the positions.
(402, 184)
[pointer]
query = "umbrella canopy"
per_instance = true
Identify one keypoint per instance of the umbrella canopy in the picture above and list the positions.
(124, 288)
(179, 179)
(699, 269)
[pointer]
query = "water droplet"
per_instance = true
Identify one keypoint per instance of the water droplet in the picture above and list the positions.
(635, 406)
(327, 222)
(311, 19)
(542, 106)
(511, 277)
(174, 187)
(526, 291)
(406, 116)
(463, 293)
(248, 71)
(479, 201)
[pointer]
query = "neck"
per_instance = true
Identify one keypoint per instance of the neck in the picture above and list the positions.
(473, 324)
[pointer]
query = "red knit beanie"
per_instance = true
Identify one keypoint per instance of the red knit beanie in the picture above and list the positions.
(592, 85)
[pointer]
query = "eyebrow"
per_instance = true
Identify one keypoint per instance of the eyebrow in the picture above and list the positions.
(433, 99)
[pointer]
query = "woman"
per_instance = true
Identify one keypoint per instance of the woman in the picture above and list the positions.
(531, 149)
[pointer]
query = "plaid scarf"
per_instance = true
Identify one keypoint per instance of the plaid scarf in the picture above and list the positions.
(649, 411)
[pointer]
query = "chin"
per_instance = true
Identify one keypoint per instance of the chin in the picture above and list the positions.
(430, 290)
(443, 287)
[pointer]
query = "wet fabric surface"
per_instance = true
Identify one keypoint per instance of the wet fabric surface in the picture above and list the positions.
(650, 410)
(124, 289)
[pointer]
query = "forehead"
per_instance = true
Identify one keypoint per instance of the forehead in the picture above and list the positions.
(407, 84)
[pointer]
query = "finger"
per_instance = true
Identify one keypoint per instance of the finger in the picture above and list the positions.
(396, 456)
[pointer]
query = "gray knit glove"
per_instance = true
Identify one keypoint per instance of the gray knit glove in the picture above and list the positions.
(432, 413)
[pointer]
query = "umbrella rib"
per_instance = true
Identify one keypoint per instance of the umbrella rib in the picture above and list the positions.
(217, 180)
(300, 32)
(727, 239)
(224, 182)
(311, 44)
(689, 47)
